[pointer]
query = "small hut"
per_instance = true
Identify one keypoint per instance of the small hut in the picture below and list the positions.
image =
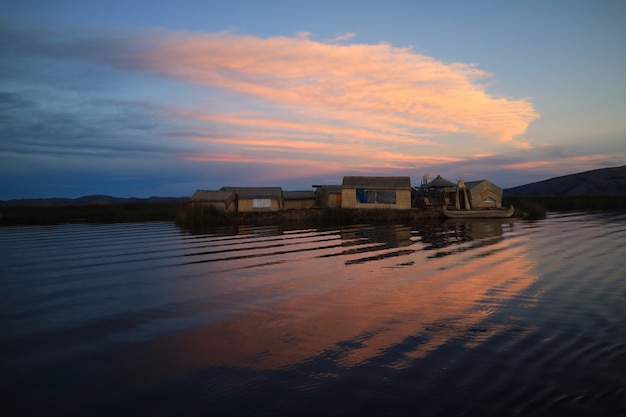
(437, 192)
(258, 198)
(328, 195)
(299, 199)
(484, 194)
(376, 192)
(220, 200)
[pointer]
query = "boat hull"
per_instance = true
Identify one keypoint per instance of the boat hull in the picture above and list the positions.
(479, 213)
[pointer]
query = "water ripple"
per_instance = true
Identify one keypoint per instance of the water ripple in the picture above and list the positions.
(440, 318)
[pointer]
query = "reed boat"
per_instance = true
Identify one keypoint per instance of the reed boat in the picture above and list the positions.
(479, 213)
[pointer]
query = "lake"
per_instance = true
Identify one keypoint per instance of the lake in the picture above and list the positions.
(465, 318)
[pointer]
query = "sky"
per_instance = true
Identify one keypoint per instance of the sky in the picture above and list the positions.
(154, 98)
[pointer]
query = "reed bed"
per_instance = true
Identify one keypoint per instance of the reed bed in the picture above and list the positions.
(105, 213)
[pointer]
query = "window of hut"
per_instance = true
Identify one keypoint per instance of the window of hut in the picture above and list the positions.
(261, 203)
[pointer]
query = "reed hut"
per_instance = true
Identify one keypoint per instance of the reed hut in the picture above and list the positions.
(328, 195)
(484, 194)
(220, 200)
(438, 192)
(299, 199)
(376, 192)
(257, 198)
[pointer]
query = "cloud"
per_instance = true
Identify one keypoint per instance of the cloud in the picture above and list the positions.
(49, 124)
(380, 87)
(342, 38)
(289, 106)
(352, 83)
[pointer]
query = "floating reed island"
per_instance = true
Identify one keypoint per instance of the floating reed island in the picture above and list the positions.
(357, 199)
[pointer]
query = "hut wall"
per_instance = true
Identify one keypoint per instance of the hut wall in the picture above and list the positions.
(299, 204)
(334, 200)
(349, 199)
(223, 201)
(485, 194)
(328, 196)
(217, 205)
(326, 199)
(248, 204)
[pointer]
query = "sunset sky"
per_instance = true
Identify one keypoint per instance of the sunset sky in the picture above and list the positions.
(143, 98)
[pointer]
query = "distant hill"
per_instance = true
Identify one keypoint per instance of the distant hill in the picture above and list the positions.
(606, 181)
(89, 200)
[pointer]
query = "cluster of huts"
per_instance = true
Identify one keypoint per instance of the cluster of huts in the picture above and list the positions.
(356, 192)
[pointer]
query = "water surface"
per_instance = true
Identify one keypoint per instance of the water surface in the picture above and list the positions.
(444, 318)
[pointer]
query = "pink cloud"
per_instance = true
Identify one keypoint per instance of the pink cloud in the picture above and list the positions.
(376, 131)
(333, 106)
(391, 90)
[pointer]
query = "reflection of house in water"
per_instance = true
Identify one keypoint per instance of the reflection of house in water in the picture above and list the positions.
(373, 243)
(366, 240)
(345, 305)
(480, 232)
(393, 236)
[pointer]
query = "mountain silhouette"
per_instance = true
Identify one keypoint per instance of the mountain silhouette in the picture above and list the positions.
(605, 181)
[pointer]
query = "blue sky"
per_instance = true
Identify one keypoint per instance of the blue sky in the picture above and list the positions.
(141, 98)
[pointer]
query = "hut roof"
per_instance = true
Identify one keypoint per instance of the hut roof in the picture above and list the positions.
(213, 195)
(299, 195)
(471, 184)
(439, 182)
(331, 189)
(256, 192)
(381, 183)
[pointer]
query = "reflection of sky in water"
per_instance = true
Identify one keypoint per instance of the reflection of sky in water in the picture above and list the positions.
(111, 309)
(354, 293)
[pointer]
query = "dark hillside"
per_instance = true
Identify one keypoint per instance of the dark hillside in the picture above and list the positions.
(606, 181)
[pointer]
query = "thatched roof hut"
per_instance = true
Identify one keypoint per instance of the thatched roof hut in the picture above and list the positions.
(299, 199)
(257, 198)
(439, 182)
(328, 195)
(221, 200)
(376, 192)
(437, 192)
(484, 194)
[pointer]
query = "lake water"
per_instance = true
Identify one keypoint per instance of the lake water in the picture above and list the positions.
(475, 318)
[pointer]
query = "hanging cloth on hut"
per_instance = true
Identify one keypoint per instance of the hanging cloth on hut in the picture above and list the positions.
(361, 195)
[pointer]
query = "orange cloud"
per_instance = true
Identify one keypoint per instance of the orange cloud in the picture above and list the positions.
(302, 160)
(379, 89)
(528, 165)
(522, 144)
(376, 132)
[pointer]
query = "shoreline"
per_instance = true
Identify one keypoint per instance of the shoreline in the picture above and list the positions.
(317, 216)
(181, 213)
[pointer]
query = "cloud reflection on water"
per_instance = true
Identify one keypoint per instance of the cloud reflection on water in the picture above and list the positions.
(351, 308)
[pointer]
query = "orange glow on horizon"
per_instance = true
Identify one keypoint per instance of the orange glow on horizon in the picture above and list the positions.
(528, 165)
